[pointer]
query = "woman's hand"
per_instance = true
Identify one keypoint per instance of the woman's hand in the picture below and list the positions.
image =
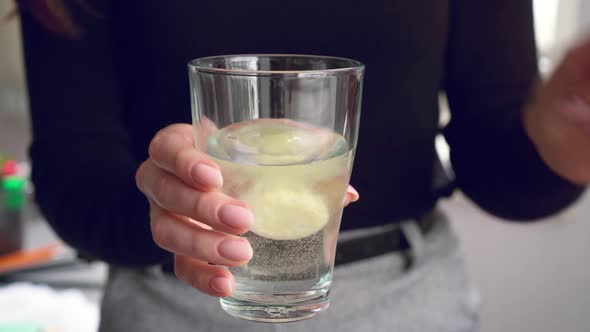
(190, 217)
(558, 120)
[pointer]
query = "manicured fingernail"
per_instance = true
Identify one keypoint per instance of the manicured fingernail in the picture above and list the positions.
(236, 216)
(207, 176)
(221, 285)
(235, 250)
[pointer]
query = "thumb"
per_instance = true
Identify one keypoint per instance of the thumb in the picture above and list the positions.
(351, 195)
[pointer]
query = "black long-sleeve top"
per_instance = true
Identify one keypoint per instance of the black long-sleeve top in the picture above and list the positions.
(96, 102)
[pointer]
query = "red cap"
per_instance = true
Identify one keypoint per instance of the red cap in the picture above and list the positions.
(10, 167)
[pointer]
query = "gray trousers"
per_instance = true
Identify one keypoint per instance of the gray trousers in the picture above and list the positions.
(375, 294)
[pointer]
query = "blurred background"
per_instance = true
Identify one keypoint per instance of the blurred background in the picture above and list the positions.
(531, 277)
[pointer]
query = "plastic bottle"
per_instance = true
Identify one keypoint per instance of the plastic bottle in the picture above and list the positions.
(11, 218)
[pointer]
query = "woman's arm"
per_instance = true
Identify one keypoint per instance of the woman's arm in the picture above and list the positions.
(491, 69)
(83, 170)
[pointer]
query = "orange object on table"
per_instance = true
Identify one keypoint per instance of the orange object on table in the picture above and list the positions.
(30, 258)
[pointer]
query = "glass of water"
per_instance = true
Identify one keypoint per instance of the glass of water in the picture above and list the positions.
(283, 129)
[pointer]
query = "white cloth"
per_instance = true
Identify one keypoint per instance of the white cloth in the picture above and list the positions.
(59, 310)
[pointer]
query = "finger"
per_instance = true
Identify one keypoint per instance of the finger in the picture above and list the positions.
(351, 196)
(184, 129)
(354, 195)
(186, 238)
(173, 151)
(212, 208)
(209, 279)
(155, 210)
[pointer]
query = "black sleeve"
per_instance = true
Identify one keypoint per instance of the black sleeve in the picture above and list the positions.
(83, 170)
(491, 69)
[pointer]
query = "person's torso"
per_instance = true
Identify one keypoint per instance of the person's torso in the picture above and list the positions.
(402, 44)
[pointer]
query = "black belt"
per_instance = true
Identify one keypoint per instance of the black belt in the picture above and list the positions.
(363, 247)
(393, 240)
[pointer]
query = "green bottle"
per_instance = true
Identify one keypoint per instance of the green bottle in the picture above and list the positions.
(11, 219)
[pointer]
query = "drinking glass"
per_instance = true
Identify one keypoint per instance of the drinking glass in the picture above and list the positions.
(283, 129)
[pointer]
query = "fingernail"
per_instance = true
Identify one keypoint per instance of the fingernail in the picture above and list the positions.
(236, 216)
(221, 285)
(207, 176)
(235, 250)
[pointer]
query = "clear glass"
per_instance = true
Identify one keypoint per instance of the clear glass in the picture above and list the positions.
(283, 129)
